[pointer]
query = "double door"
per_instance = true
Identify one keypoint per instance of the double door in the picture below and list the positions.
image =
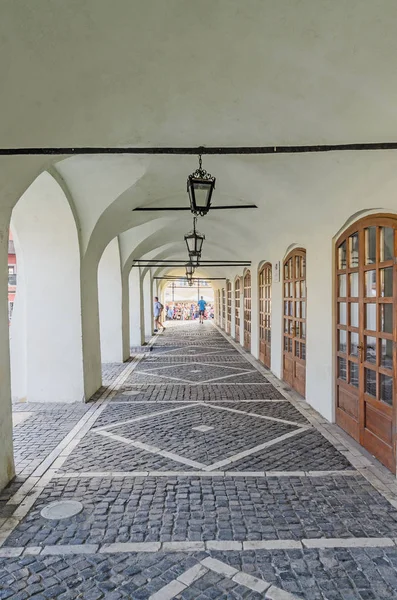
(294, 346)
(247, 310)
(223, 309)
(366, 335)
(237, 300)
(265, 309)
(228, 307)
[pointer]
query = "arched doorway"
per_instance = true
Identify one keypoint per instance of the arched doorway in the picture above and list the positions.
(247, 310)
(366, 334)
(228, 307)
(223, 308)
(265, 310)
(237, 298)
(294, 347)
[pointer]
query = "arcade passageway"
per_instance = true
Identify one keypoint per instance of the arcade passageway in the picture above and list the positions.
(199, 476)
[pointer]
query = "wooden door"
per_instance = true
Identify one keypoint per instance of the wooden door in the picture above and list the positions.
(223, 308)
(237, 297)
(228, 307)
(247, 310)
(265, 310)
(294, 348)
(366, 335)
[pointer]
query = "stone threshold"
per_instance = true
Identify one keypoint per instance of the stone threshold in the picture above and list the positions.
(256, 474)
(215, 545)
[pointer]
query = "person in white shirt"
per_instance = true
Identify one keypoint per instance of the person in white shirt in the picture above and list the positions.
(157, 310)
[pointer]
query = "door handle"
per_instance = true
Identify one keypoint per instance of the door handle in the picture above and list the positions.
(360, 349)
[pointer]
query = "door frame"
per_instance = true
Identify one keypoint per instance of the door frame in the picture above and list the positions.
(229, 291)
(265, 355)
(356, 428)
(237, 308)
(247, 334)
(289, 255)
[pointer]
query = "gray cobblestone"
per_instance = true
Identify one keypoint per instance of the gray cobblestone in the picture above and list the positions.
(245, 508)
(193, 508)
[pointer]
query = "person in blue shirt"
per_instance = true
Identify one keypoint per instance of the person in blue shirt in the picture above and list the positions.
(202, 304)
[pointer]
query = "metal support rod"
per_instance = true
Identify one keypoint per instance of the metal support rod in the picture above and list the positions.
(187, 208)
(176, 278)
(183, 262)
(196, 150)
(162, 266)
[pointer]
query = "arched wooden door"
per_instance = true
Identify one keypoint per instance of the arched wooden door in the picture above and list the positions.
(247, 310)
(294, 347)
(366, 335)
(228, 307)
(223, 308)
(237, 297)
(265, 311)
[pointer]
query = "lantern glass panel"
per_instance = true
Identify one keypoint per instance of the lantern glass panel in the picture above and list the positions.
(200, 192)
(191, 243)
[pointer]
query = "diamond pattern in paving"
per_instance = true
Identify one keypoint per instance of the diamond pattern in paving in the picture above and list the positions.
(174, 432)
(193, 393)
(183, 502)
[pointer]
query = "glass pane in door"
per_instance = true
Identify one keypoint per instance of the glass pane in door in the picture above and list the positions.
(386, 389)
(386, 243)
(370, 245)
(386, 282)
(386, 318)
(386, 359)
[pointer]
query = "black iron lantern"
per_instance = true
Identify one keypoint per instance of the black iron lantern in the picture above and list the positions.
(194, 242)
(200, 186)
(189, 270)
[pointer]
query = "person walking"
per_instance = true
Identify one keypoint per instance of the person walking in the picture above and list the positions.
(201, 304)
(157, 310)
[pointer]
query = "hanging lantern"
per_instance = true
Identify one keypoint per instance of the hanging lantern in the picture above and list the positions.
(194, 242)
(200, 186)
(189, 269)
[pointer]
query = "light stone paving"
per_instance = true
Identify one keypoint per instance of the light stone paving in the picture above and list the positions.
(203, 486)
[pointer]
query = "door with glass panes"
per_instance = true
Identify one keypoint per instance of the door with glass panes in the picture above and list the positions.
(294, 347)
(366, 335)
(223, 308)
(247, 311)
(228, 307)
(265, 309)
(237, 299)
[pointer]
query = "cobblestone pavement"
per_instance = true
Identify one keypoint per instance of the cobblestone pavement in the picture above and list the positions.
(200, 477)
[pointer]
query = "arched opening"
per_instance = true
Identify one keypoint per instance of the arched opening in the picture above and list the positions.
(45, 331)
(366, 363)
(265, 313)
(294, 347)
(247, 310)
(181, 299)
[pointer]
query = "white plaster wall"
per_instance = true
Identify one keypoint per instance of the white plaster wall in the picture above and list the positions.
(7, 470)
(18, 356)
(137, 328)
(110, 302)
(48, 243)
(148, 305)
